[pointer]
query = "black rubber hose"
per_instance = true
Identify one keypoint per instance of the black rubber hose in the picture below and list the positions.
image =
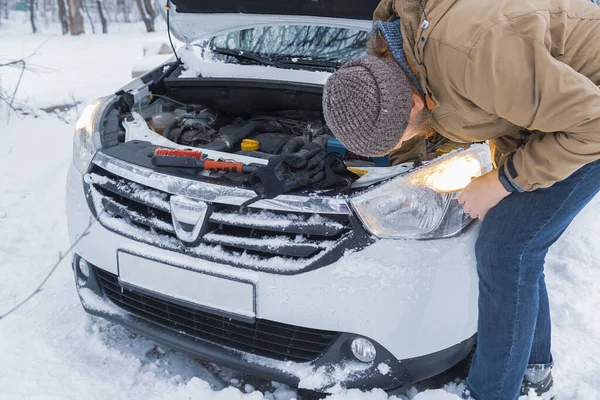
(167, 130)
(236, 135)
(233, 135)
(218, 145)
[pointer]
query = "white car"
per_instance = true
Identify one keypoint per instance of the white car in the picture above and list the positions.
(376, 287)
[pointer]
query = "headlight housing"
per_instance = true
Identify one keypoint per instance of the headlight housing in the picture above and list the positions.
(87, 135)
(422, 204)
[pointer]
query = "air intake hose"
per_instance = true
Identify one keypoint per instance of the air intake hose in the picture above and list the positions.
(232, 135)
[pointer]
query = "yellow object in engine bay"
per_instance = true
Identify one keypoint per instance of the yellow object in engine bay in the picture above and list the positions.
(250, 145)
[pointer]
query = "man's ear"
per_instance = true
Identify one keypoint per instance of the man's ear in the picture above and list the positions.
(418, 105)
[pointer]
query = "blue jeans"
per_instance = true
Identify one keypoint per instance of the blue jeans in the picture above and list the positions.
(514, 313)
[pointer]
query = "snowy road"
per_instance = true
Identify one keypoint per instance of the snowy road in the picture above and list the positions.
(50, 349)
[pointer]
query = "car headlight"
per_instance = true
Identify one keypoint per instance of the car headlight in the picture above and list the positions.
(422, 204)
(87, 136)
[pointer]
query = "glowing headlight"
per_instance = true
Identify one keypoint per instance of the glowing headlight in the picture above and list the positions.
(451, 175)
(422, 204)
(87, 138)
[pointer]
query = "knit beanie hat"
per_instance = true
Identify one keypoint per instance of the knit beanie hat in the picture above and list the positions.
(367, 104)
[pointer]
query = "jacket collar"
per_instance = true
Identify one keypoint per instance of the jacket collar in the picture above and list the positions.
(414, 29)
(416, 32)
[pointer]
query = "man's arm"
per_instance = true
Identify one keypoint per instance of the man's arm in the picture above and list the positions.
(513, 75)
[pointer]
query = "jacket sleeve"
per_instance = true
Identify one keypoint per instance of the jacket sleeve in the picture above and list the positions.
(513, 75)
(385, 11)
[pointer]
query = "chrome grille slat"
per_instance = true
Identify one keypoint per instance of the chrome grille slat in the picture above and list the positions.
(271, 224)
(287, 248)
(118, 209)
(133, 191)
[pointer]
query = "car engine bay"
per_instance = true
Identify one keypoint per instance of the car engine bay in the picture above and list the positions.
(237, 120)
(260, 135)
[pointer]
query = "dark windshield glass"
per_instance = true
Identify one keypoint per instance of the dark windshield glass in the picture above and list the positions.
(301, 41)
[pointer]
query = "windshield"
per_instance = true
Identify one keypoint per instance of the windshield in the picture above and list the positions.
(320, 43)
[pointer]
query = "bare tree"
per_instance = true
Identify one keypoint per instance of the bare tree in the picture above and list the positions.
(102, 17)
(63, 17)
(76, 17)
(148, 4)
(148, 21)
(123, 10)
(8, 96)
(87, 12)
(4, 9)
(32, 15)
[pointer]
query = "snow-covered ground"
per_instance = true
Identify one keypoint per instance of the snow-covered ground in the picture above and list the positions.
(50, 349)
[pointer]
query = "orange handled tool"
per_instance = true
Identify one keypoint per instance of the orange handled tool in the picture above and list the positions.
(193, 159)
(227, 166)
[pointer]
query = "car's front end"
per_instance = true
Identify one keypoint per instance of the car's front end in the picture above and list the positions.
(372, 288)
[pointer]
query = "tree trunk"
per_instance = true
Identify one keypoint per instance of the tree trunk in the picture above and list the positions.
(76, 17)
(5, 8)
(149, 22)
(150, 9)
(102, 17)
(49, 11)
(62, 15)
(124, 10)
(87, 12)
(32, 15)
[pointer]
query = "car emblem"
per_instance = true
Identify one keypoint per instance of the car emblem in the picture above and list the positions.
(189, 217)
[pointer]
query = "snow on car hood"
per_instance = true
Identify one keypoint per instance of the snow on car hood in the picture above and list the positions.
(191, 20)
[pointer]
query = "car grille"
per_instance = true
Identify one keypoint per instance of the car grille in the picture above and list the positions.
(289, 240)
(262, 338)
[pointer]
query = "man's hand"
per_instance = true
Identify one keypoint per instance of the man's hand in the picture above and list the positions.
(482, 194)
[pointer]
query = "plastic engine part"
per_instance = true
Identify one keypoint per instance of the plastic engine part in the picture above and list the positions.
(334, 146)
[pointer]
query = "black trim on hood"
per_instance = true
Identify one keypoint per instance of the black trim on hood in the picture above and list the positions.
(352, 9)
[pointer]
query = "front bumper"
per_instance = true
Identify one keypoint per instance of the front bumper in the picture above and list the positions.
(335, 365)
(416, 300)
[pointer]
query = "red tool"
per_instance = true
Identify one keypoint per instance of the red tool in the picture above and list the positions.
(194, 159)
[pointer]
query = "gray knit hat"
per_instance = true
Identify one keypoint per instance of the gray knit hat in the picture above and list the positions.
(367, 105)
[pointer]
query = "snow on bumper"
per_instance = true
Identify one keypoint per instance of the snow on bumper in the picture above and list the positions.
(414, 298)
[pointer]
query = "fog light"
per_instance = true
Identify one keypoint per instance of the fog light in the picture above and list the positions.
(83, 271)
(363, 350)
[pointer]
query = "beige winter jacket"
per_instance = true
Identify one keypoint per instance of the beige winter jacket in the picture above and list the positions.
(497, 67)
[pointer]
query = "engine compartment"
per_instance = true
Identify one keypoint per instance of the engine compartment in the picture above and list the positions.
(246, 117)
(235, 119)
(255, 134)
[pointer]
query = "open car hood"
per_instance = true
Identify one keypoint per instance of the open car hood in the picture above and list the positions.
(191, 20)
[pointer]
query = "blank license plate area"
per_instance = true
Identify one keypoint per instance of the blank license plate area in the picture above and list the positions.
(192, 287)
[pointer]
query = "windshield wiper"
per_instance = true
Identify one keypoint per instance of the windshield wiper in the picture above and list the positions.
(247, 56)
(317, 65)
(279, 61)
